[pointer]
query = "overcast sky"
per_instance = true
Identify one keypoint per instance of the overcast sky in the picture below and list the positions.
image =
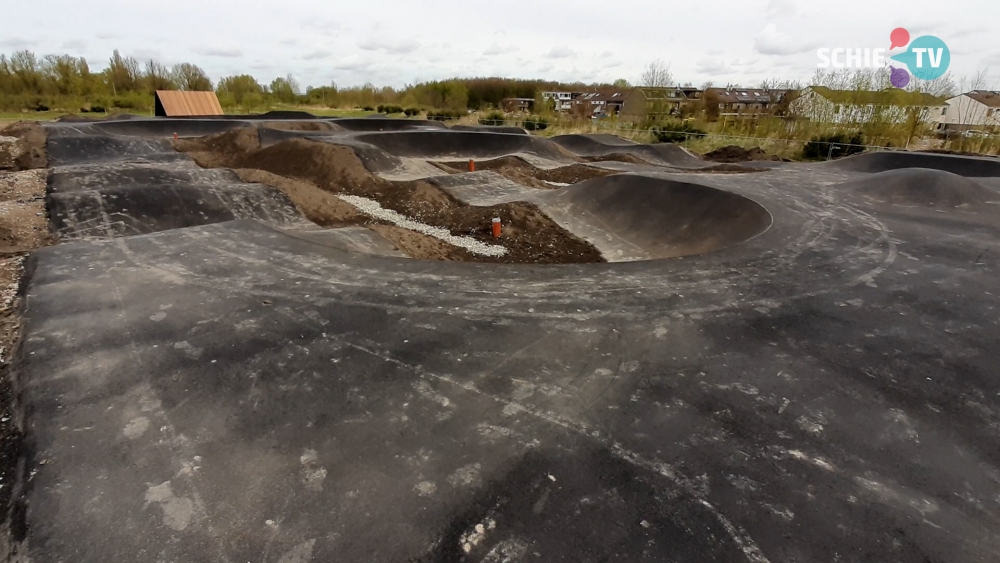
(398, 42)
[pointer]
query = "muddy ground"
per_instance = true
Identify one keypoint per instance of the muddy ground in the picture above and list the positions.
(319, 169)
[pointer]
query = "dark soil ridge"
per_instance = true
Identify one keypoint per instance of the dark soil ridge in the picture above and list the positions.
(523, 172)
(529, 236)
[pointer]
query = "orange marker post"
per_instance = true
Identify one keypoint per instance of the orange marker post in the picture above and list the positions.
(496, 227)
(472, 165)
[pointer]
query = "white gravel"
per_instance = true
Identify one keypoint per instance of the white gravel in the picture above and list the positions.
(374, 209)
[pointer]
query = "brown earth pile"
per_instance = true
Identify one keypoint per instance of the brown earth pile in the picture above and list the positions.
(616, 157)
(525, 173)
(529, 235)
(732, 153)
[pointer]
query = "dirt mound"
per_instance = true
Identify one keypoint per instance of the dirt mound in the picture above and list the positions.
(529, 235)
(300, 125)
(923, 187)
(525, 173)
(616, 157)
(733, 153)
(882, 161)
(220, 150)
(319, 206)
(22, 146)
(446, 144)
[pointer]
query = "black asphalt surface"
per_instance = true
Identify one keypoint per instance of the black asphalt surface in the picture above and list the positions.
(827, 390)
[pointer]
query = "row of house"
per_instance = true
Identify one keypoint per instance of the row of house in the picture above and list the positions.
(979, 109)
(652, 103)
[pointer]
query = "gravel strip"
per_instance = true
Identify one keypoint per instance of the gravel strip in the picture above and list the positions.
(374, 209)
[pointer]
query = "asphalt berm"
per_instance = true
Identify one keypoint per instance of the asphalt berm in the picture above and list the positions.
(816, 384)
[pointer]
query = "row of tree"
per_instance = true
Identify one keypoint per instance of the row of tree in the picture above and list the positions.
(66, 82)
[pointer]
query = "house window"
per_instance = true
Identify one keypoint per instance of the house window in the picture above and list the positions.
(944, 111)
(839, 108)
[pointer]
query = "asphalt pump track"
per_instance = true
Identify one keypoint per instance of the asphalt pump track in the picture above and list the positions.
(798, 364)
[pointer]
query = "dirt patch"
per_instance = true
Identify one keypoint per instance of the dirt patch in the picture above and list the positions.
(300, 125)
(216, 151)
(23, 224)
(529, 235)
(721, 169)
(317, 205)
(616, 157)
(733, 153)
(22, 146)
(526, 174)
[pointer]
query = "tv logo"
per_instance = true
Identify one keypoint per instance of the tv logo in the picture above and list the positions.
(927, 58)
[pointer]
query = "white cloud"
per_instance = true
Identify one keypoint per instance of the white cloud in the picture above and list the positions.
(560, 53)
(497, 49)
(75, 45)
(546, 67)
(17, 42)
(606, 54)
(770, 41)
(395, 47)
(781, 8)
(613, 64)
(229, 52)
(712, 66)
(317, 54)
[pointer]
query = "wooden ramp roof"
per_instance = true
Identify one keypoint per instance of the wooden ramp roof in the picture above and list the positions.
(175, 103)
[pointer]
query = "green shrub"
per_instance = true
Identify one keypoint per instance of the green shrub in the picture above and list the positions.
(445, 114)
(367, 108)
(676, 132)
(410, 112)
(834, 145)
(492, 118)
(536, 123)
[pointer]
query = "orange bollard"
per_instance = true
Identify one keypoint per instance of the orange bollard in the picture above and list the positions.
(496, 227)
(472, 165)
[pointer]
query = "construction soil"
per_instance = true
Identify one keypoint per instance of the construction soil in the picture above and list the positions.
(527, 174)
(529, 236)
(732, 153)
(23, 228)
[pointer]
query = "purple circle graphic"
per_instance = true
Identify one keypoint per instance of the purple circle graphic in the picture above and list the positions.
(899, 77)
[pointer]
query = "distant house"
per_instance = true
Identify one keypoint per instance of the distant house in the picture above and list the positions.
(979, 109)
(177, 103)
(822, 104)
(517, 105)
(647, 103)
(599, 103)
(562, 101)
(747, 101)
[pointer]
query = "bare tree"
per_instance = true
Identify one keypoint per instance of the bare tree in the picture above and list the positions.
(657, 75)
(191, 77)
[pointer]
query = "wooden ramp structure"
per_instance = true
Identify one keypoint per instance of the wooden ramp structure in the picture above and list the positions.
(177, 103)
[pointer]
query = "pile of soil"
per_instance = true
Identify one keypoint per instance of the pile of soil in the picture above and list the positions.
(616, 157)
(300, 125)
(524, 173)
(22, 146)
(733, 153)
(529, 235)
